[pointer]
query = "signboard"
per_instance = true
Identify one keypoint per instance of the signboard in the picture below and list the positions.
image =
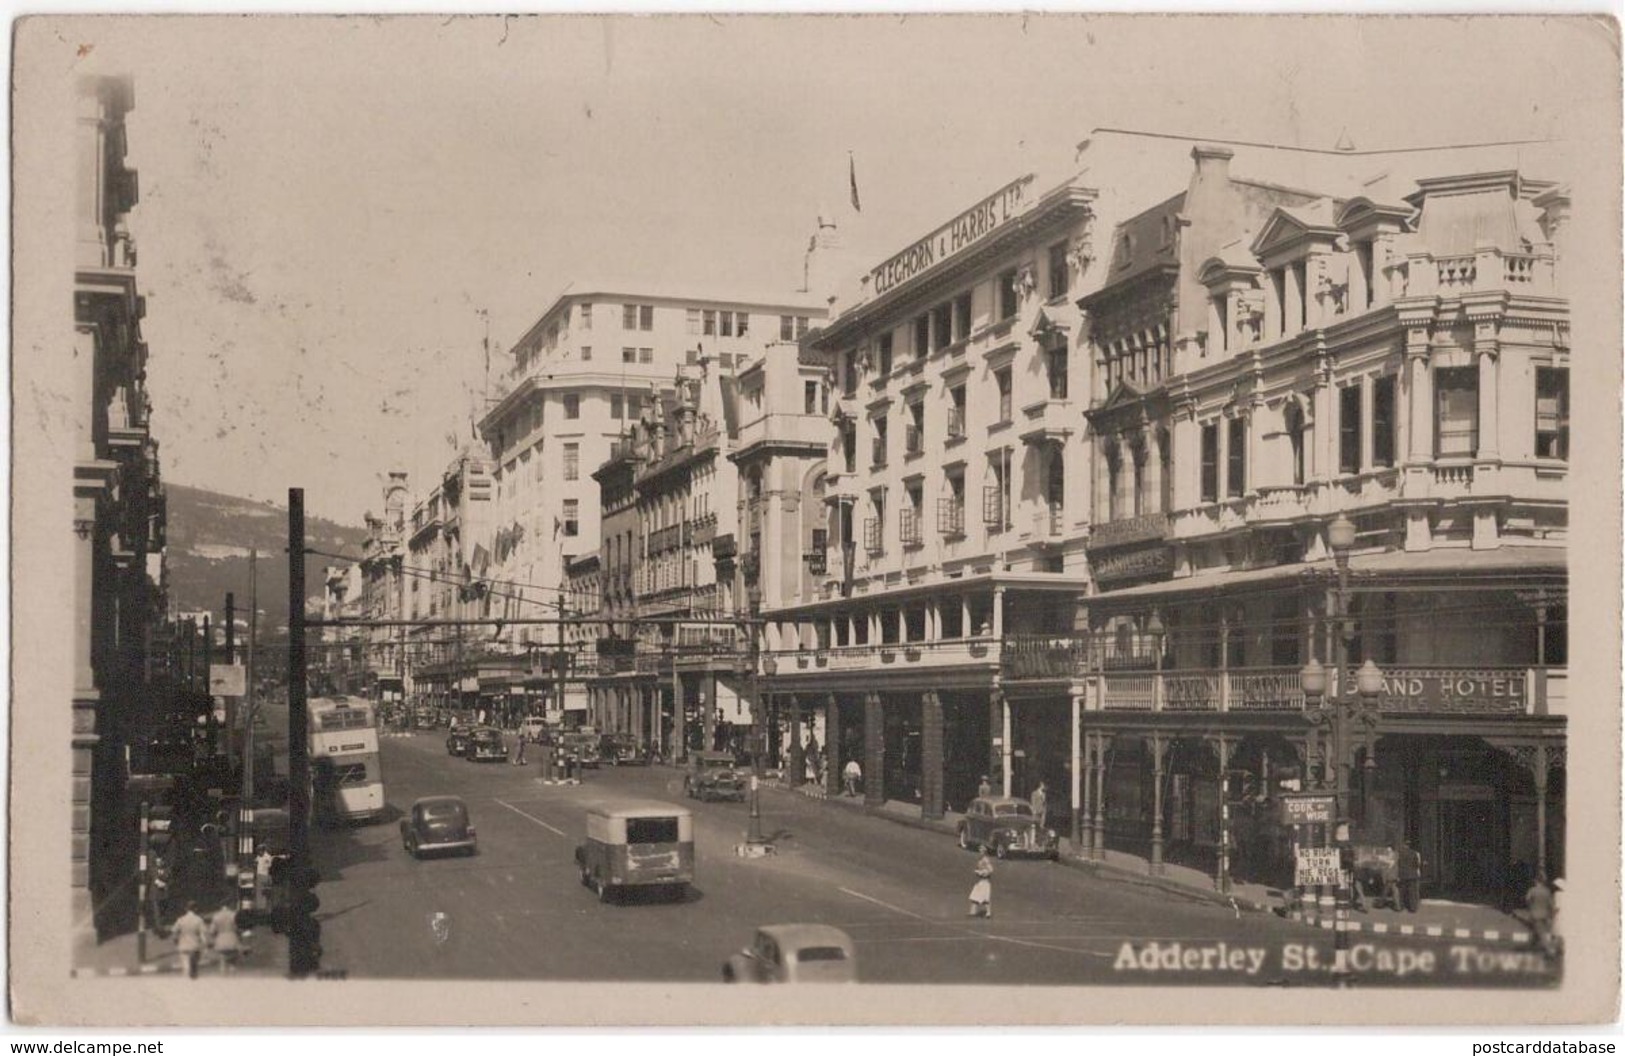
(1144, 561)
(1307, 809)
(1318, 865)
(1456, 691)
(227, 680)
(958, 234)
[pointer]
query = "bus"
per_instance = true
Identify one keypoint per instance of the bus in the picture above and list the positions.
(346, 782)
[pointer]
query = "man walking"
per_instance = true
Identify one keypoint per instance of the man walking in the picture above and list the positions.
(1410, 877)
(853, 773)
(190, 934)
(984, 789)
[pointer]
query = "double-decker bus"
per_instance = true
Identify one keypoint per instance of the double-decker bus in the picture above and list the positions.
(346, 782)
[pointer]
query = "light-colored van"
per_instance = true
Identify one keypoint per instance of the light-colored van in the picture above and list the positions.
(637, 843)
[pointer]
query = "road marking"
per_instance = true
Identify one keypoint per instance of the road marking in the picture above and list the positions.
(534, 818)
(886, 905)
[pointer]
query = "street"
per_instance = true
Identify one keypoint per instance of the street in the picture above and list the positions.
(518, 911)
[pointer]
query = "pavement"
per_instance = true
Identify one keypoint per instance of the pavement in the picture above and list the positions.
(1434, 918)
(265, 954)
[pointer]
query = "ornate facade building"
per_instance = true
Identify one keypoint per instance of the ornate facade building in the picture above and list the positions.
(118, 520)
(1289, 386)
(955, 485)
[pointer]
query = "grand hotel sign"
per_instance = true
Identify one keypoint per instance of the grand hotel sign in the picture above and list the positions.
(967, 229)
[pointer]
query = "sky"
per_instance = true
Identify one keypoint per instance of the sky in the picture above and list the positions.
(334, 210)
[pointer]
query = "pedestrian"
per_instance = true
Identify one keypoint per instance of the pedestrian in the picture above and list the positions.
(262, 877)
(223, 937)
(190, 934)
(984, 789)
(1410, 877)
(981, 893)
(519, 750)
(1542, 908)
(1040, 804)
(853, 775)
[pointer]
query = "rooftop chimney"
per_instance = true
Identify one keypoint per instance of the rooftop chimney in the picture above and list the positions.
(1212, 161)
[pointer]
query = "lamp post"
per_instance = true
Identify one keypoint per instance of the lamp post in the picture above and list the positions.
(756, 843)
(1337, 716)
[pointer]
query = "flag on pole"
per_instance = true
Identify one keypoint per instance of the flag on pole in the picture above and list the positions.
(852, 176)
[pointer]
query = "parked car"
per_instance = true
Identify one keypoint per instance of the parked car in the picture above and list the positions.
(531, 729)
(713, 775)
(437, 824)
(457, 739)
(426, 719)
(1006, 826)
(622, 749)
(795, 953)
(486, 744)
(582, 745)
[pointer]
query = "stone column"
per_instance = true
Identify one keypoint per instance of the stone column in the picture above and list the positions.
(1368, 422)
(998, 612)
(874, 750)
(1419, 383)
(931, 755)
(798, 758)
(679, 714)
(1542, 774)
(1322, 453)
(1488, 348)
(833, 760)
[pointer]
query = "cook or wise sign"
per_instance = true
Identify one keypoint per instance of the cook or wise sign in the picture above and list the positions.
(1306, 810)
(1318, 865)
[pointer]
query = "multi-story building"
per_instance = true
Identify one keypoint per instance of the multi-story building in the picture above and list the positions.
(956, 489)
(118, 519)
(342, 655)
(440, 584)
(587, 368)
(786, 423)
(1275, 368)
(383, 557)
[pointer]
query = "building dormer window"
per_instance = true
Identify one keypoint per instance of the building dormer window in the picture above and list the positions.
(1124, 251)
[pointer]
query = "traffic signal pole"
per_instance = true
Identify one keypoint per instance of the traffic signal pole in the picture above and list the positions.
(303, 952)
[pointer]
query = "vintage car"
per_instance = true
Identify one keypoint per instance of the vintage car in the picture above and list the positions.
(621, 749)
(580, 745)
(1006, 826)
(637, 844)
(425, 719)
(437, 824)
(794, 953)
(485, 745)
(713, 775)
(531, 729)
(457, 739)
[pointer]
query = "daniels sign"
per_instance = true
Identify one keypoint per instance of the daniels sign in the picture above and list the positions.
(962, 232)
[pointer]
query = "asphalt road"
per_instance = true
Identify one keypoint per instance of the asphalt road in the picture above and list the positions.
(517, 910)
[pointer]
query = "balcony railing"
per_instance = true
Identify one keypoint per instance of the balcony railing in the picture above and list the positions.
(951, 516)
(949, 652)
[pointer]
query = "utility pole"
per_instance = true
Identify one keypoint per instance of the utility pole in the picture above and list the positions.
(246, 863)
(303, 931)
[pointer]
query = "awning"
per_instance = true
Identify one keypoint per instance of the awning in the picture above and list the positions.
(1465, 570)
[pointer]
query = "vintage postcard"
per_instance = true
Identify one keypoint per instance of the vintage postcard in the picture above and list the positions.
(581, 520)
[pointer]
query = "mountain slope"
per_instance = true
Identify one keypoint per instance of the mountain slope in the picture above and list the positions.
(210, 536)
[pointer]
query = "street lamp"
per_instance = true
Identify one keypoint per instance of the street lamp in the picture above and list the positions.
(756, 843)
(1337, 715)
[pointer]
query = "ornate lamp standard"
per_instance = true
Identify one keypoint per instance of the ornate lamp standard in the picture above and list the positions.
(756, 843)
(1337, 718)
